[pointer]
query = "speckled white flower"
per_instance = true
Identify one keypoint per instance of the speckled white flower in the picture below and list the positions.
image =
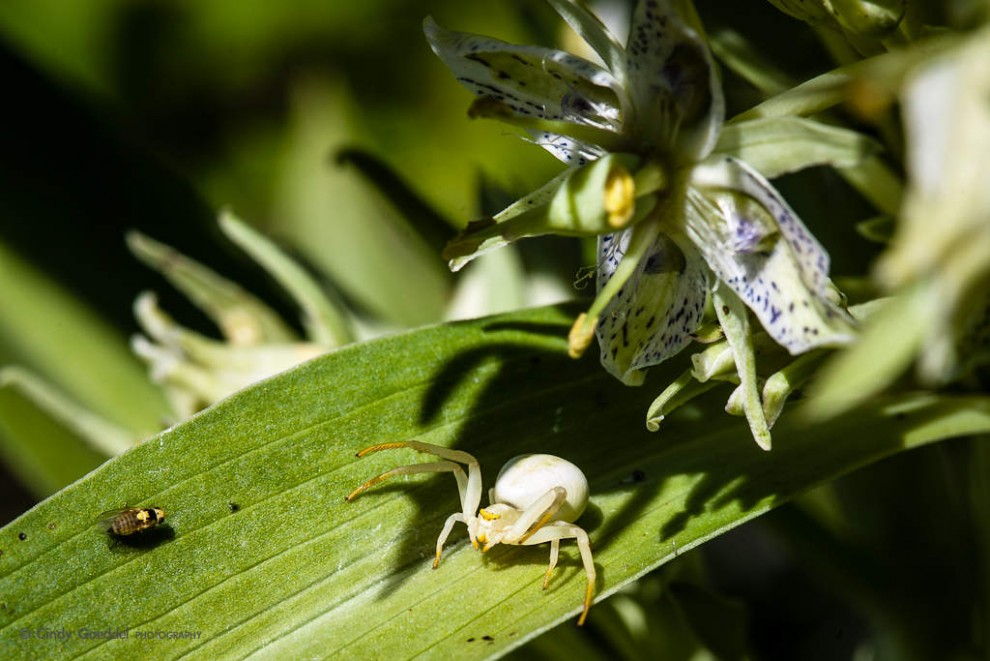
(675, 221)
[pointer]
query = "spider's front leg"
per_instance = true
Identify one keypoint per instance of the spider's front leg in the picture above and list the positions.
(468, 485)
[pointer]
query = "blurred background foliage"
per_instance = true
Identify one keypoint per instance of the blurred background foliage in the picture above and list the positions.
(153, 115)
(150, 116)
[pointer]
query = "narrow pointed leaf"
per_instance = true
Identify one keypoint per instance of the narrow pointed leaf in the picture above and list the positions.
(240, 316)
(778, 146)
(427, 221)
(46, 452)
(99, 433)
(325, 322)
(58, 337)
(593, 31)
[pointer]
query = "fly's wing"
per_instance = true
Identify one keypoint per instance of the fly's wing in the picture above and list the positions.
(106, 519)
(110, 515)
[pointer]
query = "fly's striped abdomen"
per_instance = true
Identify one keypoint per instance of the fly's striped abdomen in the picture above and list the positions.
(131, 520)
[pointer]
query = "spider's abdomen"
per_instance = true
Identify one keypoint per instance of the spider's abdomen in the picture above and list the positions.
(527, 477)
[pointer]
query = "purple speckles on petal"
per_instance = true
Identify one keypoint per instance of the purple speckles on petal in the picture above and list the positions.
(770, 281)
(531, 81)
(746, 235)
(655, 313)
(672, 82)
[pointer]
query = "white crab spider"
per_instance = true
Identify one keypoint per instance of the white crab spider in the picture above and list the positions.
(535, 500)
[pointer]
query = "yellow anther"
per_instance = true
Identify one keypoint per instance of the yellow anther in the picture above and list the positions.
(488, 516)
(620, 196)
(581, 335)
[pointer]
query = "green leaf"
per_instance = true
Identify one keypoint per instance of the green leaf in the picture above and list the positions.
(831, 88)
(341, 225)
(428, 223)
(54, 334)
(262, 555)
(782, 145)
(240, 316)
(325, 322)
(744, 58)
(101, 434)
(45, 438)
(893, 331)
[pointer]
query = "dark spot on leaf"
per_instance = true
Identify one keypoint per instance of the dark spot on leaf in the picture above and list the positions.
(470, 640)
(22, 536)
(725, 309)
(634, 477)
(51, 525)
(233, 507)
(488, 638)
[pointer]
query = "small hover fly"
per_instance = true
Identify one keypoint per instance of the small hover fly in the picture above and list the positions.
(131, 520)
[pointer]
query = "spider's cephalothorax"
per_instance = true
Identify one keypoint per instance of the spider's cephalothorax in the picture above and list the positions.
(536, 498)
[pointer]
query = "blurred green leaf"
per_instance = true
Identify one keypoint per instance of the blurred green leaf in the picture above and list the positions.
(742, 57)
(60, 338)
(340, 224)
(101, 434)
(240, 316)
(878, 229)
(429, 224)
(324, 322)
(45, 439)
(262, 554)
(893, 331)
(782, 145)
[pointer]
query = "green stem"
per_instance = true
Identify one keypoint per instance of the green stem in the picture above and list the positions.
(643, 236)
(680, 392)
(733, 316)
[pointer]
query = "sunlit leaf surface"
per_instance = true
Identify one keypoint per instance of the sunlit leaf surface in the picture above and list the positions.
(261, 555)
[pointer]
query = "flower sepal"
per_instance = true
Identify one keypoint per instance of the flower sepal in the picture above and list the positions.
(601, 197)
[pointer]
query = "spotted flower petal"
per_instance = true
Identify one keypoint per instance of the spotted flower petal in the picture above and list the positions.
(595, 34)
(655, 312)
(692, 225)
(677, 102)
(532, 81)
(758, 246)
